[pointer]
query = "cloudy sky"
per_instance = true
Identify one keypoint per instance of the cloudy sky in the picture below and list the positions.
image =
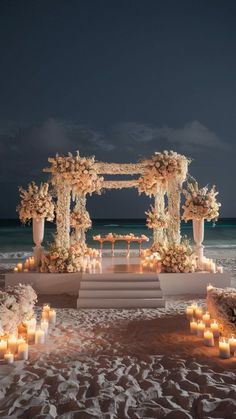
(119, 79)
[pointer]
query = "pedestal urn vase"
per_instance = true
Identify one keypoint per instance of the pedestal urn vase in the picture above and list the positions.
(38, 235)
(198, 235)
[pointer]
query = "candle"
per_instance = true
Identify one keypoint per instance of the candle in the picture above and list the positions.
(206, 319)
(215, 329)
(193, 327)
(220, 269)
(31, 335)
(189, 312)
(12, 344)
(20, 267)
(224, 348)
(208, 338)
(209, 287)
(15, 269)
(9, 357)
(198, 313)
(39, 336)
(52, 316)
(44, 326)
(23, 351)
(26, 270)
(3, 348)
(45, 312)
(232, 343)
(19, 341)
(200, 329)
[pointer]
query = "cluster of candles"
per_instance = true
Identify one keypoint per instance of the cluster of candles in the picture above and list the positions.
(209, 329)
(210, 266)
(91, 265)
(151, 261)
(16, 347)
(26, 266)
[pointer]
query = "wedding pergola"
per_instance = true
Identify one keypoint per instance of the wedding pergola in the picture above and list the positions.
(159, 177)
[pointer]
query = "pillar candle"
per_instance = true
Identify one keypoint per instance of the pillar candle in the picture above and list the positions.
(215, 329)
(20, 267)
(200, 329)
(44, 326)
(3, 348)
(189, 312)
(23, 351)
(15, 269)
(198, 313)
(31, 335)
(232, 343)
(9, 358)
(193, 327)
(52, 316)
(224, 348)
(208, 338)
(39, 336)
(206, 318)
(12, 344)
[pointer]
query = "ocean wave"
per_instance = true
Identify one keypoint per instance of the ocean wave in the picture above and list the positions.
(111, 225)
(15, 255)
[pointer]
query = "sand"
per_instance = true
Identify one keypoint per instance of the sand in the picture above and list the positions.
(115, 364)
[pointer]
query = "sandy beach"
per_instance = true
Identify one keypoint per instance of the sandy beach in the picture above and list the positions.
(119, 364)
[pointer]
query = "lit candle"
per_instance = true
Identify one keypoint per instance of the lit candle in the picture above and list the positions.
(224, 348)
(189, 312)
(26, 270)
(9, 357)
(206, 319)
(39, 336)
(44, 326)
(209, 287)
(23, 351)
(15, 269)
(52, 316)
(3, 348)
(20, 267)
(198, 313)
(200, 329)
(31, 335)
(19, 341)
(45, 312)
(193, 327)
(232, 343)
(12, 344)
(220, 269)
(208, 338)
(215, 329)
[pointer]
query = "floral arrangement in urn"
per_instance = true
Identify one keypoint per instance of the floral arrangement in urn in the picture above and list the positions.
(156, 221)
(16, 306)
(63, 260)
(79, 171)
(36, 202)
(80, 218)
(200, 203)
(160, 168)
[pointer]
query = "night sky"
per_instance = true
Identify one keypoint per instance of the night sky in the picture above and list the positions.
(119, 79)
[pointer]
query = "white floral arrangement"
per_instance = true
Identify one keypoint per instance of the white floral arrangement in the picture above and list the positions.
(79, 171)
(161, 167)
(177, 257)
(80, 218)
(200, 203)
(60, 260)
(36, 202)
(156, 221)
(16, 307)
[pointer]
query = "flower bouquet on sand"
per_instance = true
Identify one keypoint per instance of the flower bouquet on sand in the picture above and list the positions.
(200, 203)
(36, 202)
(156, 221)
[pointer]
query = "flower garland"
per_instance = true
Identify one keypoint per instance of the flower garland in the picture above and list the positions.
(80, 218)
(161, 167)
(16, 306)
(79, 171)
(200, 203)
(36, 202)
(63, 260)
(154, 221)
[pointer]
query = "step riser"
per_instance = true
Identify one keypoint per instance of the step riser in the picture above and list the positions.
(120, 293)
(155, 285)
(120, 303)
(123, 277)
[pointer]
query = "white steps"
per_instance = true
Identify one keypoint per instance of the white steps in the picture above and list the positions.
(120, 290)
